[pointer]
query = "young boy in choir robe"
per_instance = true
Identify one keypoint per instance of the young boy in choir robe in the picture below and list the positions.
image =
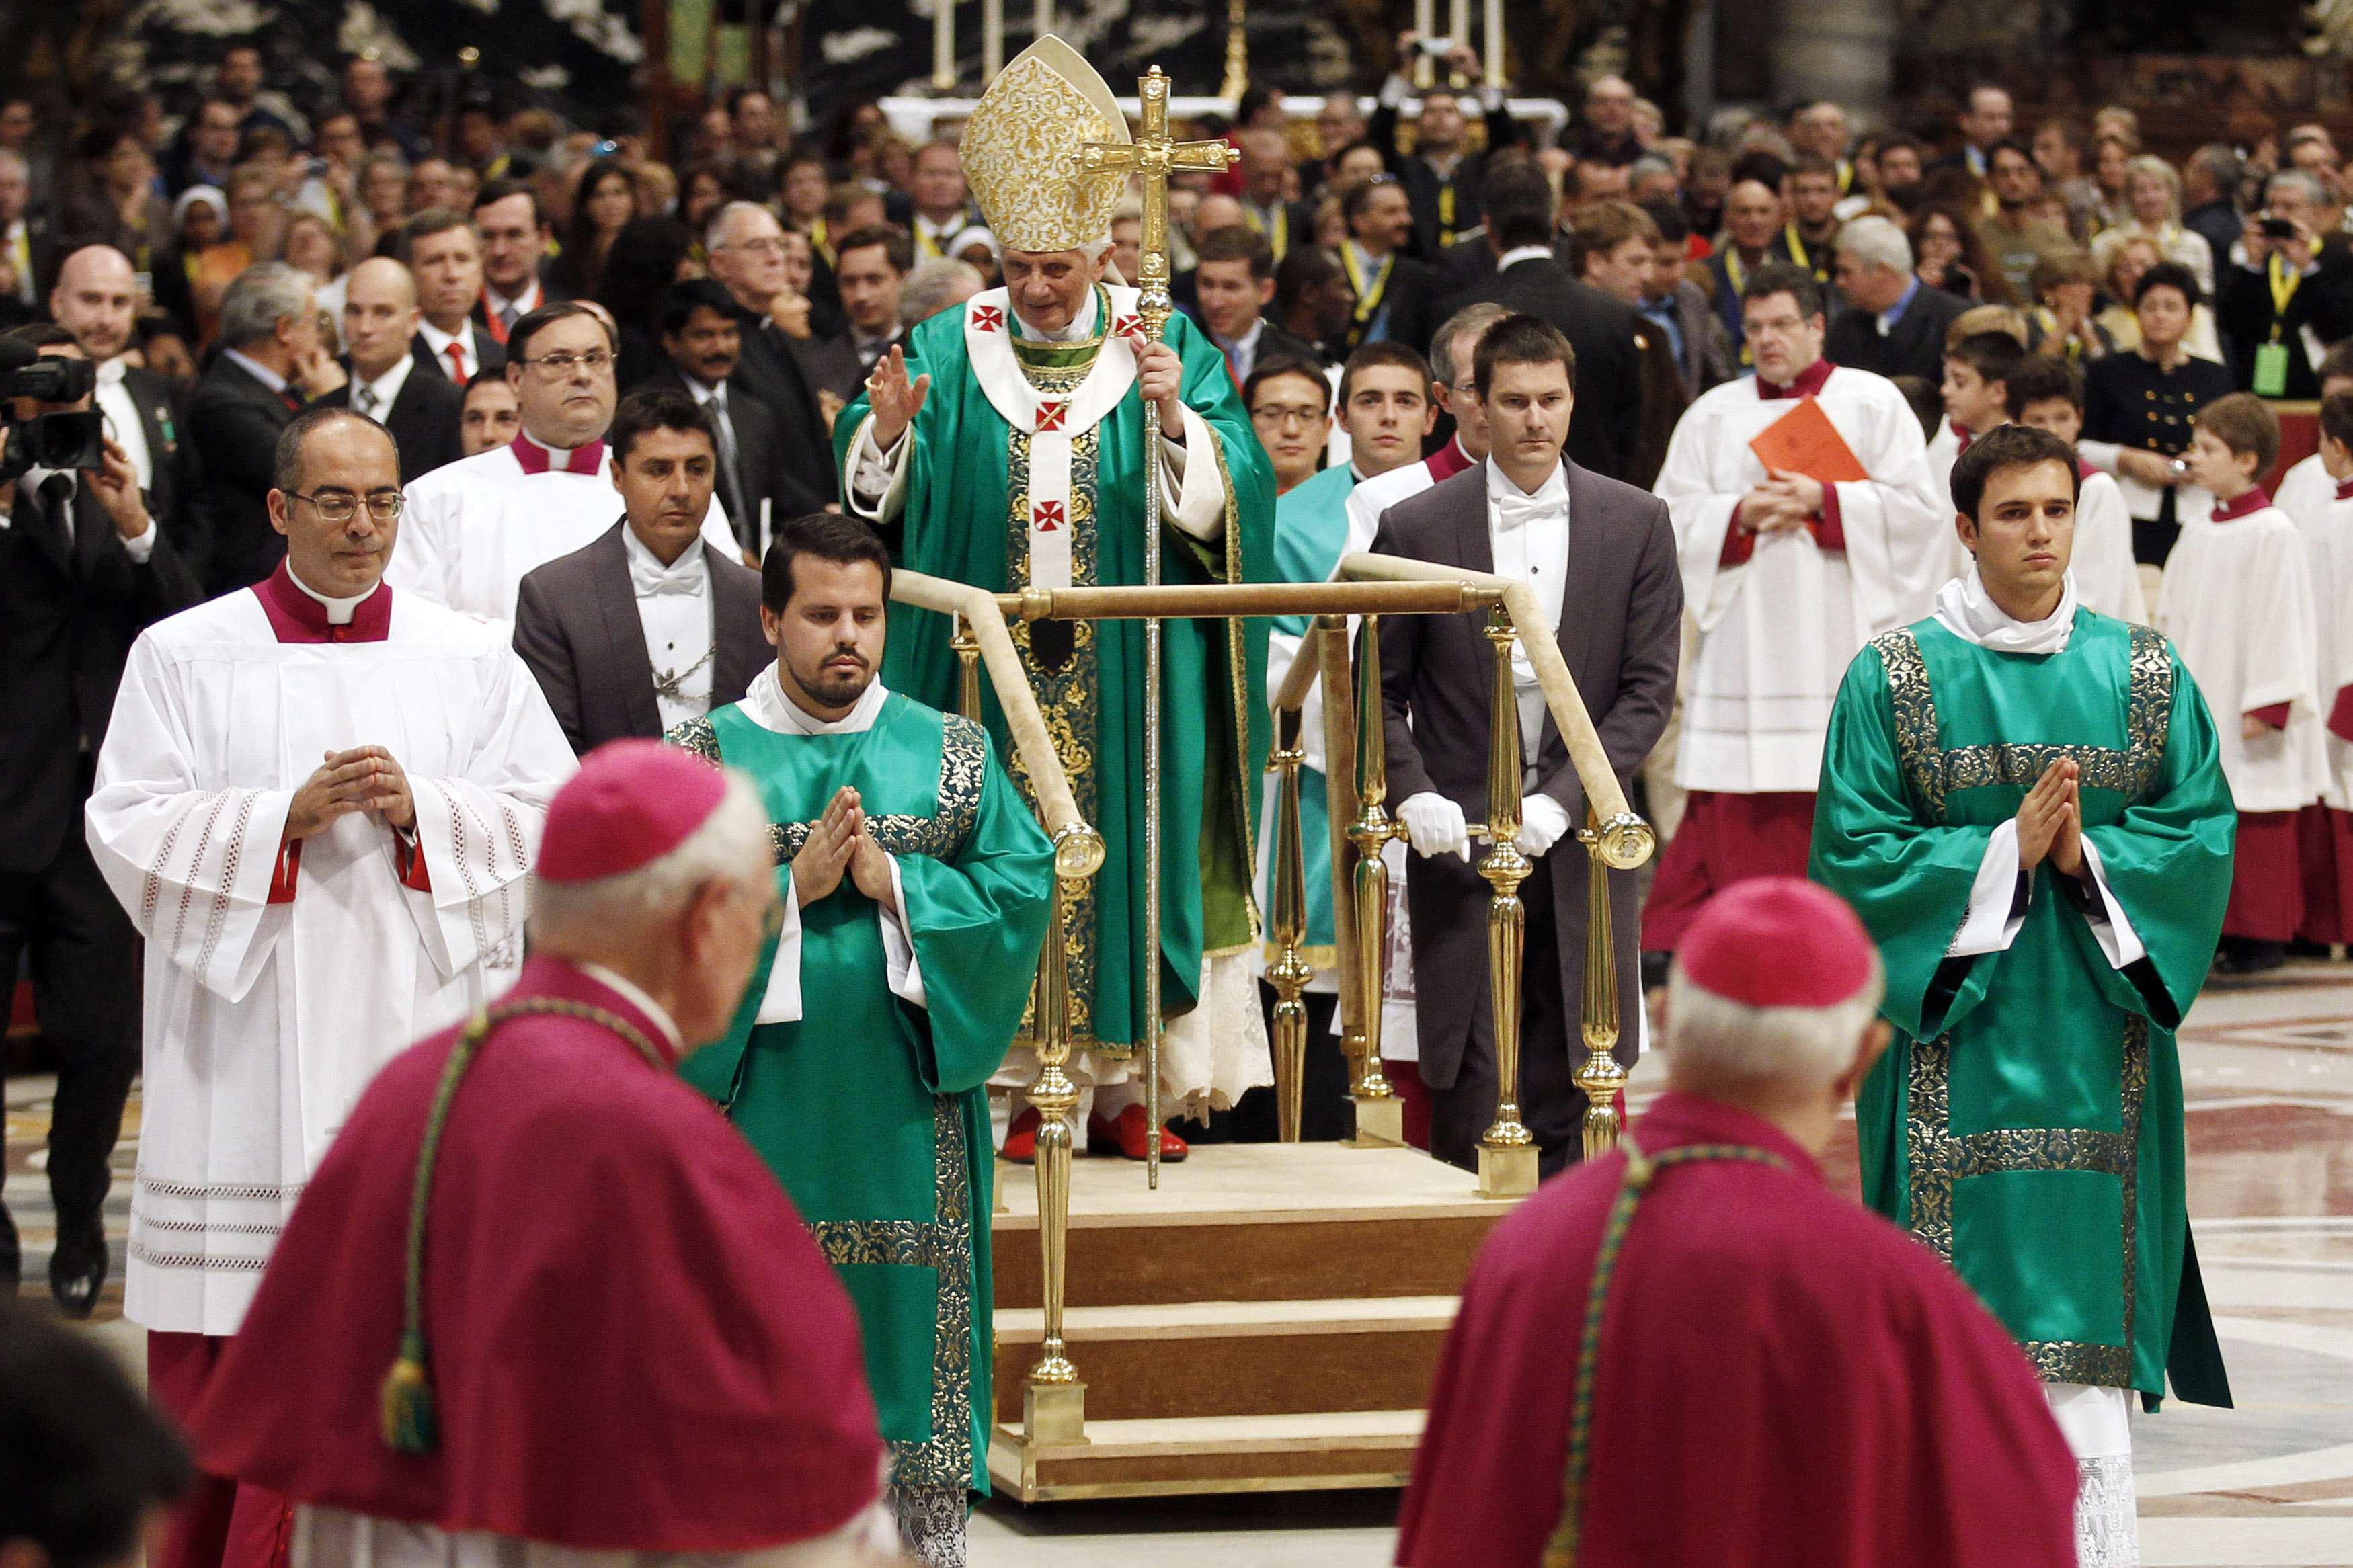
(477, 527)
(2324, 828)
(1785, 578)
(2025, 802)
(916, 890)
(2306, 485)
(2237, 601)
(2046, 393)
(317, 801)
(1862, 1408)
(538, 1305)
(1386, 411)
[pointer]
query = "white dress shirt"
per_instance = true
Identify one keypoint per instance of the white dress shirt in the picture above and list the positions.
(1529, 535)
(765, 704)
(123, 423)
(256, 369)
(438, 342)
(379, 393)
(1520, 253)
(28, 485)
(1241, 353)
(674, 608)
(495, 306)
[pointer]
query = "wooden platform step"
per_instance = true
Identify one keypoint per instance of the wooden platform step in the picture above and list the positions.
(1211, 1454)
(1264, 1222)
(1238, 1358)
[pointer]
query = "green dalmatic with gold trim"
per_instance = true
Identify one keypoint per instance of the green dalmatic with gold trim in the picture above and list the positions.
(871, 1110)
(2027, 1122)
(968, 519)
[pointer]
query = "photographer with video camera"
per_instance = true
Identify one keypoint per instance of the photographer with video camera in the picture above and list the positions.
(84, 570)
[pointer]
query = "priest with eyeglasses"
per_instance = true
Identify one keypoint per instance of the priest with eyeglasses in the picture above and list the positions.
(317, 801)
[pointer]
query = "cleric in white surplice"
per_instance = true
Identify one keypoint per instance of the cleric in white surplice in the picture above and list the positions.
(318, 804)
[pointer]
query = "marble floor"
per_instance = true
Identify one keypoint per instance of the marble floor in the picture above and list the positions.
(2268, 1070)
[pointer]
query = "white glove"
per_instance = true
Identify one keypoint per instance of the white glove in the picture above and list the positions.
(1543, 822)
(1434, 825)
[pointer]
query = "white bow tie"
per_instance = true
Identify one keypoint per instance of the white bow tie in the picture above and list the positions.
(648, 579)
(1514, 512)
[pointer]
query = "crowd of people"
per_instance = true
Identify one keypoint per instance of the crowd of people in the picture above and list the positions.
(658, 433)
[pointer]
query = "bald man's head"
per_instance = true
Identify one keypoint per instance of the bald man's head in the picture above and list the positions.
(97, 300)
(379, 318)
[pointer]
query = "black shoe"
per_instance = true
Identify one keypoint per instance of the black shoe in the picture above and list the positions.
(2300, 948)
(2245, 955)
(77, 1271)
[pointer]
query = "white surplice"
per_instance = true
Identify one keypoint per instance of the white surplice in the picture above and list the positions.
(264, 1021)
(473, 529)
(1776, 633)
(2325, 521)
(2237, 601)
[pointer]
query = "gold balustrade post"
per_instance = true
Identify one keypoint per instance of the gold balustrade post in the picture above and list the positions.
(967, 652)
(1380, 1115)
(1053, 1400)
(1507, 1151)
(1290, 972)
(1600, 1078)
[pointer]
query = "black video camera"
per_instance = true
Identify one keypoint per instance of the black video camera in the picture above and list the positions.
(52, 440)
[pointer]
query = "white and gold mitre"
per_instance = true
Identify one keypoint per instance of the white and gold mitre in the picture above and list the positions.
(1021, 150)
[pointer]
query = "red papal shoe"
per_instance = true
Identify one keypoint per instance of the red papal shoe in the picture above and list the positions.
(1125, 1137)
(1022, 1137)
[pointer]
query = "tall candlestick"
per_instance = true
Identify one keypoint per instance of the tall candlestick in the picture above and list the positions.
(1495, 42)
(1425, 23)
(943, 47)
(992, 41)
(1041, 20)
(1458, 28)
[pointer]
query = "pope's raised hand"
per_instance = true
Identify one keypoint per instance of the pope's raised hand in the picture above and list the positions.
(894, 399)
(1160, 377)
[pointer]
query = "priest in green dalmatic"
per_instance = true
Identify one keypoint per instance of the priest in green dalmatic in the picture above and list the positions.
(1003, 447)
(915, 885)
(2023, 799)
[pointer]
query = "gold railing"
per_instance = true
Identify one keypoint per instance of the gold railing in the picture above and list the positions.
(1356, 785)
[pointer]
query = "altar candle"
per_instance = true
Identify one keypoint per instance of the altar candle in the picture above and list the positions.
(944, 46)
(992, 41)
(1495, 42)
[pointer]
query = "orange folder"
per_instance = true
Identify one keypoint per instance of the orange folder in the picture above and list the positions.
(1804, 441)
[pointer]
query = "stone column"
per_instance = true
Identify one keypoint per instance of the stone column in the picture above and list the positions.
(1844, 50)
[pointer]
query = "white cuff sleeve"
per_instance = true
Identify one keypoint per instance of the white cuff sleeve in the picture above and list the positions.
(1991, 927)
(141, 548)
(1192, 494)
(1491, 96)
(1394, 91)
(878, 479)
(905, 970)
(2117, 940)
(2101, 455)
(781, 1003)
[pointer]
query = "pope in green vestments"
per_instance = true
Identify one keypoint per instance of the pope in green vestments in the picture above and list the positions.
(858, 1061)
(2027, 1122)
(1003, 448)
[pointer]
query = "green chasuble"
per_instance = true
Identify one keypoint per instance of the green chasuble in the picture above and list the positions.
(871, 1110)
(2027, 1121)
(1311, 532)
(968, 517)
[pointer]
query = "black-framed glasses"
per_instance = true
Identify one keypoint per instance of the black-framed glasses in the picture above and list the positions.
(563, 363)
(342, 506)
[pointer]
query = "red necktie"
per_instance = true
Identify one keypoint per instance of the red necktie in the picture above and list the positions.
(294, 404)
(457, 352)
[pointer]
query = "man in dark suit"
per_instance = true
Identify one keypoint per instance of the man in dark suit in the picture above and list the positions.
(515, 235)
(271, 364)
(645, 628)
(1600, 558)
(1529, 280)
(1892, 324)
(1266, 160)
(1233, 286)
(1443, 182)
(83, 569)
(704, 346)
(27, 248)
(870, 267)
(444, 255)
(97, 299)
(748, 260)
(2272, 351)
(422, 410)
(1313, 301)
(1396, 296)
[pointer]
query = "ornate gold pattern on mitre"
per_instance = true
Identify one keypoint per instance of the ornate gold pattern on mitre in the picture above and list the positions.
(1021, 150)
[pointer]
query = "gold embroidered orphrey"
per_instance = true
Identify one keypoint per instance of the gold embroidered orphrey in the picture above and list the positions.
(1936, 1158)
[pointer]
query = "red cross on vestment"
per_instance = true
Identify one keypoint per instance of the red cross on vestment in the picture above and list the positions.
(1048, 515)
(1051, 415)
(989, 317)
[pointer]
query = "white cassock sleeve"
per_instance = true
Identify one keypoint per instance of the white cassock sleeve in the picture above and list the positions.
(878, 480)
(1994, 919)
(1193, 494)
(424, 560)
(904, 966)
(191, 866)
(1701, 507)
(1900, 541)
(2106, 578)
(781, 1002)
(478, 830)
(2118, 941)
(2279, 634)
